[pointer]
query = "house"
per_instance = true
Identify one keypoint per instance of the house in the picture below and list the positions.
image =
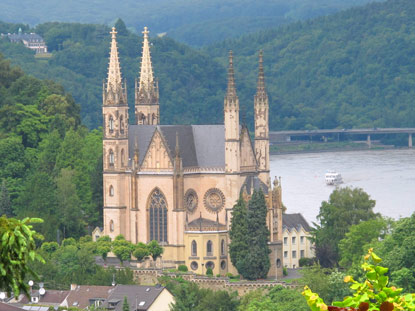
(296, 243)
(44, 297)
(7, 307)
(31, 40)
(83, 296)
(140, 298)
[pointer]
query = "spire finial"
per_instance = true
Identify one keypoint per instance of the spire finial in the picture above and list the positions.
(146, 73)
(114, 71)
(231, 92)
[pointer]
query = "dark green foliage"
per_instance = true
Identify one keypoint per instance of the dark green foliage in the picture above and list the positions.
(306, 262)
(141, 252)
(125, 305)
(154, 249)
(346, 207)
(256, 263)
(196, 22)
(350, 69)
(182, 268)
(5, 204)
(238, 233)
(209, 272)
(190, 297)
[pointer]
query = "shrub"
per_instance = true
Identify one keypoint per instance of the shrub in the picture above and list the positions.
(209, 271)
(284, 271)
(218, 275)
(182, 268)
(306, 262)
(229, 275)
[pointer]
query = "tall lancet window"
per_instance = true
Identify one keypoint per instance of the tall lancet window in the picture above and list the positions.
(111, 124)
(111, 157)
(158, 216)
(121, 125)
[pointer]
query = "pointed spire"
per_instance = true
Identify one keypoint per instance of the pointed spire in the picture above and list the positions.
(114, 72)
(231, 91)
(261, 92)
(146, 73)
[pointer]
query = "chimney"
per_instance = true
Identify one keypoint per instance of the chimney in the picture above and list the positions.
(73, 286)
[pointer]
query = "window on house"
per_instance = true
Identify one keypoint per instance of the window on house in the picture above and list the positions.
(111, 124)
(293, 240)
(222, 247)
(158, 216)
(111, 191)
(194, 248)
(285, 241)
(302, 254)
(285, 254)
(112, 226)
(209, 248)
(301, 239)
(294, 254)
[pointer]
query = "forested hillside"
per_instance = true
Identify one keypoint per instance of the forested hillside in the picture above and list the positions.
(194, 22)
(192, 86)
(51, 166)
(351, 69)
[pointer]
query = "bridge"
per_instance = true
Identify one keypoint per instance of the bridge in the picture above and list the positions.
(285, 136)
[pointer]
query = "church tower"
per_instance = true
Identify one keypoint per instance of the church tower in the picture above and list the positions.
(261, 108)
(231, 118)
(115, 144)
(146, 90)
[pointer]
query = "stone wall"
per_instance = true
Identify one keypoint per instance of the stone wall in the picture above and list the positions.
(150, 276)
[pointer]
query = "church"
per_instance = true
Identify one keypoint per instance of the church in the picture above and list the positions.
(177, 184)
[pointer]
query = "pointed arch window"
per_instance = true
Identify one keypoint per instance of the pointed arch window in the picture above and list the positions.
(222, 247)
(209, 248)
(111, 191)
(112, 226)
(111, 157)
(122, 157)
(194, 248)
(111, 124)
(158, 216)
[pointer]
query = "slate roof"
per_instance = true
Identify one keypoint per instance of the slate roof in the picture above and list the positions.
(295, 221)
(31, 37)
(81, 295)
(253, 182)
(7, 307)
(50, 297)
(145, 295)
(199, 145)
(205, 224)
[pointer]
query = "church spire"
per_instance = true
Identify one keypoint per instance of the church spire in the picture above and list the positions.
(260, 91)
(146, 89)
(146, 73)
(114, 72)
(231, 91)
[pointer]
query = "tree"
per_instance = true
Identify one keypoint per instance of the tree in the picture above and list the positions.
(359, 239)
(255, 264)
(346, 207)
(125, 305)
(122, 248)
(141, 251)
(5, 204)
(238, 234)
(17, 251)
(154, 249)
(104, 246)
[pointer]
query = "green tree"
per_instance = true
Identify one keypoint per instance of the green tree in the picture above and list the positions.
(238, 234)
(154, 249)
(104, 247)
(125, 305)
(256, 263)
(141, 251)
(122, 248)
(5, 204)
(346, 207)
(17, 251)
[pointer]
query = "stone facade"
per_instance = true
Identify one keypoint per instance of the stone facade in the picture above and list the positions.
(177, 184)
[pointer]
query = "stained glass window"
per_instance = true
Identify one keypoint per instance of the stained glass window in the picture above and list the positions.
(158, 217)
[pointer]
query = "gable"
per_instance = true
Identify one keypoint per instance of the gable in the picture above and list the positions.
(157, 156)
(248, 160)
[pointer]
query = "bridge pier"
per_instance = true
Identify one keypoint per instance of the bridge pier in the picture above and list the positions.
(410, 141)
(369, 142)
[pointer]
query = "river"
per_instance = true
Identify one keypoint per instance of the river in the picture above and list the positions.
(388, 176)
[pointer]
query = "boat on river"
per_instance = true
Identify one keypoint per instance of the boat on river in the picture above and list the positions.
(333, 178)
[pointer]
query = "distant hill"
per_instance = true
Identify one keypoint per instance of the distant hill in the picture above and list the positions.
(196, 22)
(192, 85)
(351, 69)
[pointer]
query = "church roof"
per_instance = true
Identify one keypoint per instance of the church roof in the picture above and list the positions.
(295, 221)
(199, 145)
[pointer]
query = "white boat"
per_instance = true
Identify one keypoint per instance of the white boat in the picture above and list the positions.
(333, 178)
